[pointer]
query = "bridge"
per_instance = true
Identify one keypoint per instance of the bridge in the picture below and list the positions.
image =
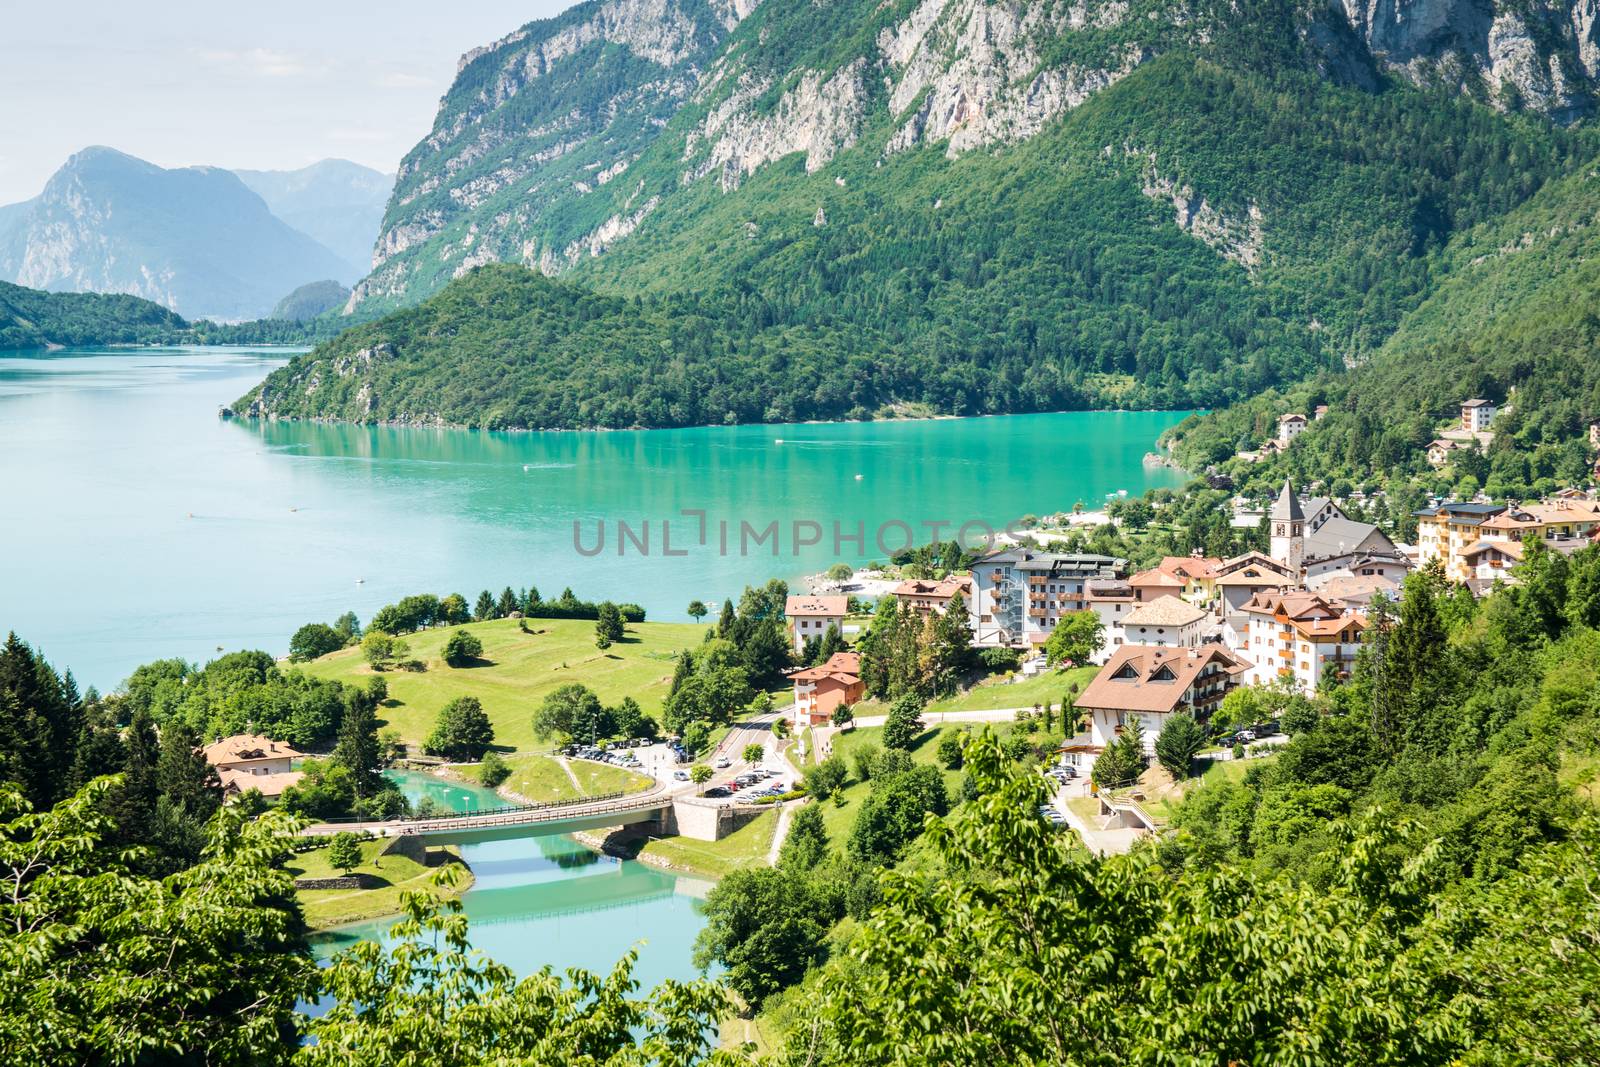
(523, 820)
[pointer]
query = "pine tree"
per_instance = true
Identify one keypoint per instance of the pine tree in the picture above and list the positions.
(807, 844)
(727, 619)
(132, 805)
(184, 775)
(506, 605)
(483, 610)
(357, 749)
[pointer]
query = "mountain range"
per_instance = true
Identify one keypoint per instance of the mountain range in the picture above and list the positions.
(202, 241)
(828, 210)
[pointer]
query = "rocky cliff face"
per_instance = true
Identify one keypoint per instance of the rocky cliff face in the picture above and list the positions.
(1542, 55)
(534, 123)
(565, 137)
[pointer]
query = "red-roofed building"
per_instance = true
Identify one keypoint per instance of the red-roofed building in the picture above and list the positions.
(1151, 685)
(251, 761)
(1300, 635)
(819, 690)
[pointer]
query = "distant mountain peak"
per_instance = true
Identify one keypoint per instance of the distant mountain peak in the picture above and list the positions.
(194, 239)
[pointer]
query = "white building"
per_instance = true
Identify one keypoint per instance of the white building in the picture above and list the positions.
(1301, 636)
(809, 617)
(1238, 580)
(1476, 415)
(1019, 595)
(1165, 622)
(1290, 426)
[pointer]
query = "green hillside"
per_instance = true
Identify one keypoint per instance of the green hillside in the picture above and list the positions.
(1512, 318)
(31, 318)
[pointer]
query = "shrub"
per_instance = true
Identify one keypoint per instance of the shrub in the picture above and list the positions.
(950, 750)
(493, 770)
(462, 648)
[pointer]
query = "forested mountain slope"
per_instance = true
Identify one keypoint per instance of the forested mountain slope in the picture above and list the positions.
(559, 141)
(1513, 318)
(946, 205)
(33, 319)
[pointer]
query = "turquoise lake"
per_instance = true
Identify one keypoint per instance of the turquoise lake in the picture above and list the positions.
(138, 525)
(549, 900)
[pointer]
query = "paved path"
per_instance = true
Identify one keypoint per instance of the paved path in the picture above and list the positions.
(781, 831)
(1102, 841)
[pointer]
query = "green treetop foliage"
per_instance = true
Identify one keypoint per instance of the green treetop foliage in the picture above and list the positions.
(1078, 635)
(1015, 949)
(904, 723)
(344, 852)
(463, 731)
(462, 648)
(1178, 743)
(104, 965)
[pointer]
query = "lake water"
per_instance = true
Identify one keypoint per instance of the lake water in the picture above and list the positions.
(136, 525)
(549, 900)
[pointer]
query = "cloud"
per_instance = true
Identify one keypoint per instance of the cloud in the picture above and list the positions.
(402, 80)
(259, 62)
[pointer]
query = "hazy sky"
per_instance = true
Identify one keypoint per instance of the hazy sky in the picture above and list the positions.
(272, 85)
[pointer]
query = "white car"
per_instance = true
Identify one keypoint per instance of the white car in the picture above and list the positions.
(723, 764)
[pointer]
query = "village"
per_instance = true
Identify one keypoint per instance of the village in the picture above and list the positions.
(1177, 637)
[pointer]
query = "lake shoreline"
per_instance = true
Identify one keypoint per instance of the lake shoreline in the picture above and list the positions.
(226, 413)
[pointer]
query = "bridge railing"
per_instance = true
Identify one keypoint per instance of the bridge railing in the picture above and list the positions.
(509, 809)
(596, 805)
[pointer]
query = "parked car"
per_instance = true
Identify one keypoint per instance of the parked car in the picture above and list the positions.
(716, 791)
(1244, 737)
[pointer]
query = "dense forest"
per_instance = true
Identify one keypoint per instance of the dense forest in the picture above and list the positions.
(31, 318)
(1512, 320)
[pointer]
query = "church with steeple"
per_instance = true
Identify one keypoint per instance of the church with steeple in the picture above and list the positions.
(1288, 524)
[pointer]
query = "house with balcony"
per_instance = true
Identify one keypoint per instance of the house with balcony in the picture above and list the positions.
(1302, 636)
(809, 617)
(251, 761)
(1445, 531)
(819, 690)
(1151, 685)
(1018, 595)
(1240, 578)
(1476, 415)
(924, 596)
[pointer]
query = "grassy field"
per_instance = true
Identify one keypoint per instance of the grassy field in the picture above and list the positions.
(542, 779)
(745, 847)
(389, 876)
(839, 817)
(518, 670)
(995, 693)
